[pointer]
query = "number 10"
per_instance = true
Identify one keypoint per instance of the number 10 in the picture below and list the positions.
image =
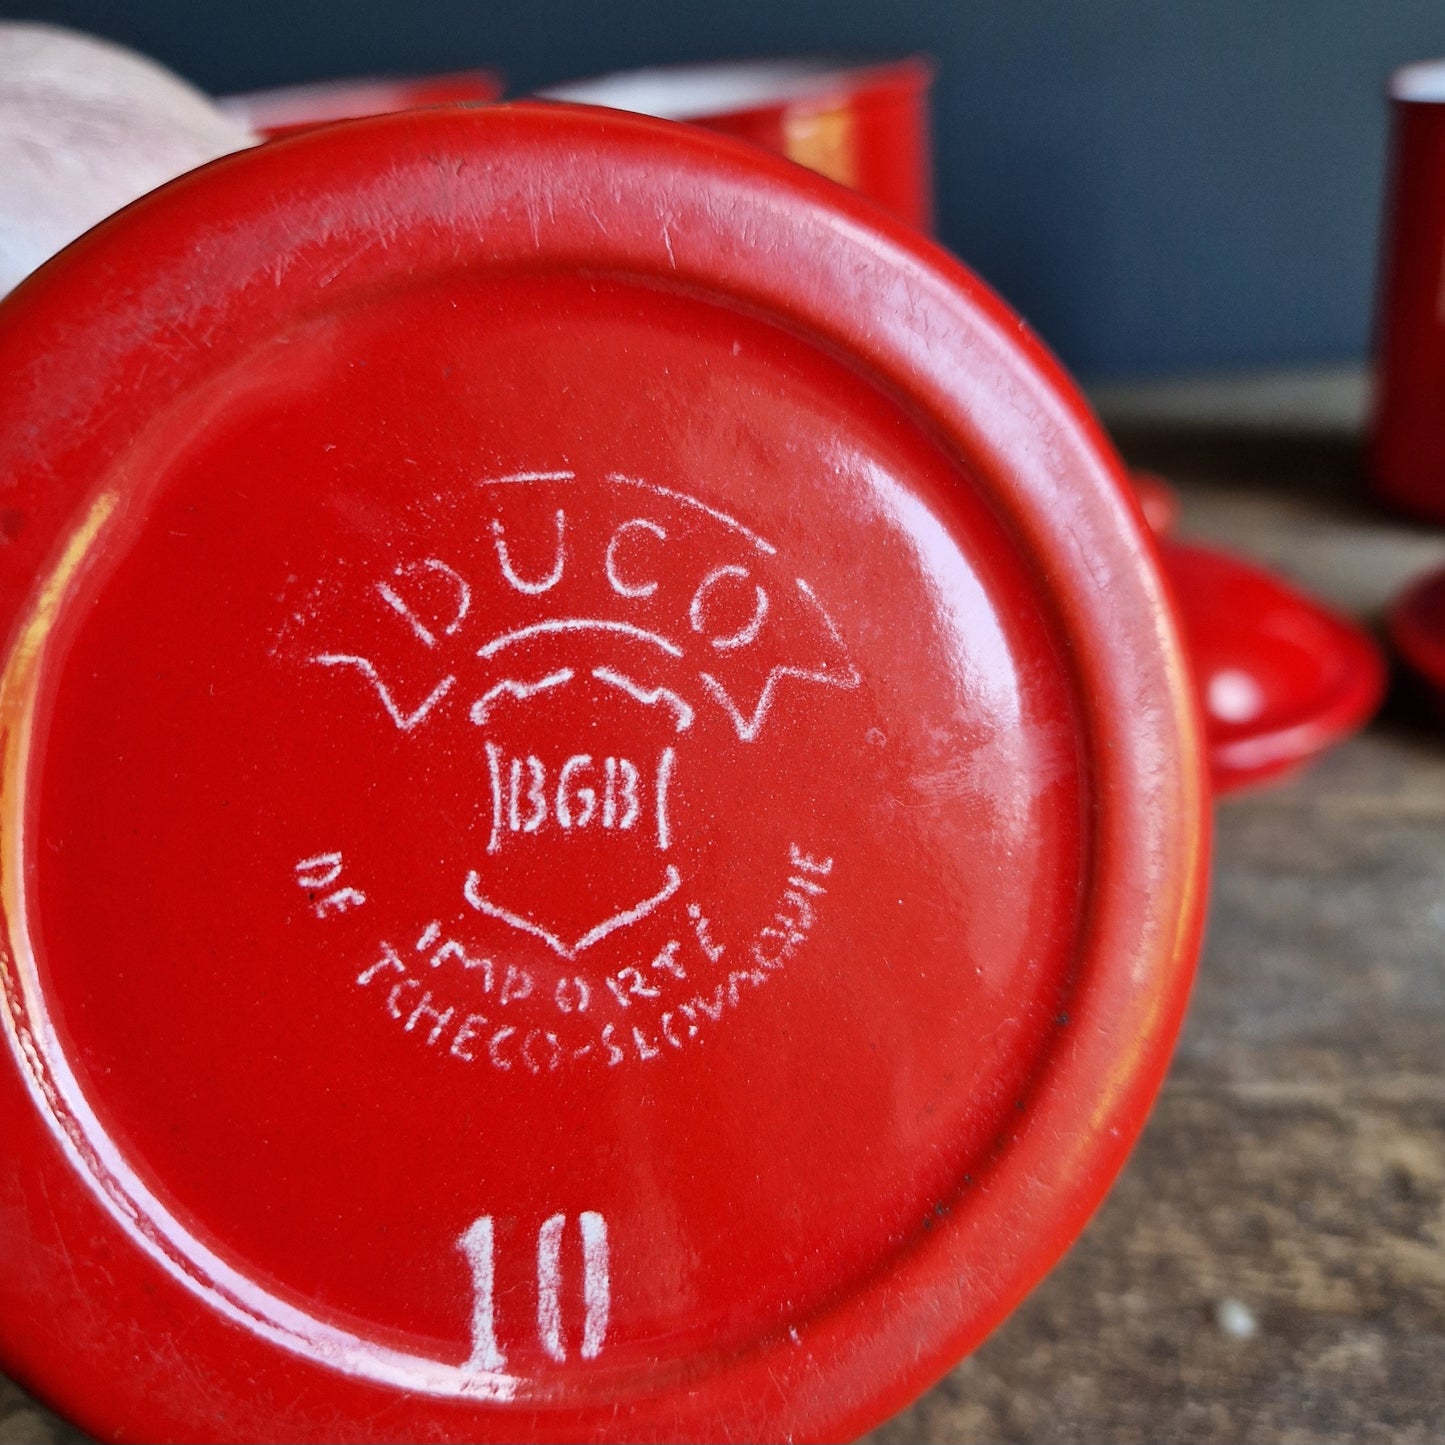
(479, 1247)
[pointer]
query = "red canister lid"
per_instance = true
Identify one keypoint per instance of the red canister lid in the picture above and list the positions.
(1282, 678)
(603, 824)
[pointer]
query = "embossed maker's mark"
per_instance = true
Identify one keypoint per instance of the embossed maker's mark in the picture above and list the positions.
(481, 710)
(405, 721)
(478, 1245)
(567, 618)
(663, 1001)
(471, 890)
(596, 1284)
(577, 624)
(408, 613)
(604, 794)
(748, 727)
(433, 618)
(319, 872)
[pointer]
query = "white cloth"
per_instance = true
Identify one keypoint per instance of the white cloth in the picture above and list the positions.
(87, 126)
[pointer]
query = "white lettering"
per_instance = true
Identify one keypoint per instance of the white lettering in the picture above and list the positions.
(389, 959)
(664, 777)
(550, 1048)
(426, 1009)
(620, 585)
(549, 1286)
(465, 1033)
(666, 961)
(524, 798)
(628, 983)
(622, 780)
(516, 985)
(585, 797)
(700, 922)
(536, 798)
(452, 949)
(532, 588)
(320, 871)
(478, 1247)
(403, 609)
(494, 1048)
(596, 1283)
(393, 999)
(342, 901)
(742, 636)
(809, 864)
(614, 1052)
(646, 1049)
(573, 995)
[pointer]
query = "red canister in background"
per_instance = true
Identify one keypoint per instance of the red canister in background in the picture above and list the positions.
(863, 125)
(1407, 446)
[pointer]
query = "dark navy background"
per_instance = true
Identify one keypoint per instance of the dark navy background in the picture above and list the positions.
(1158, 186)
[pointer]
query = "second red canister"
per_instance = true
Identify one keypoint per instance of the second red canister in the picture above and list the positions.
(1407, 443)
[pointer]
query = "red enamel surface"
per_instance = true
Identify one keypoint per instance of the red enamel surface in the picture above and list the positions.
(1281, 678)
(583, 856)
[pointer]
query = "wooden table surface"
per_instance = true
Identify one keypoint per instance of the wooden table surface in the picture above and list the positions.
(1271, 1265)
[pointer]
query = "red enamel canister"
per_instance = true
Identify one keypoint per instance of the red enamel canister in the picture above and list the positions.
(864, 125)
(603, 825)
(1407, 443)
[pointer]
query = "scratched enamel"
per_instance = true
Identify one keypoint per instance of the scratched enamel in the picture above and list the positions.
(601, 828)
(531, 802)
